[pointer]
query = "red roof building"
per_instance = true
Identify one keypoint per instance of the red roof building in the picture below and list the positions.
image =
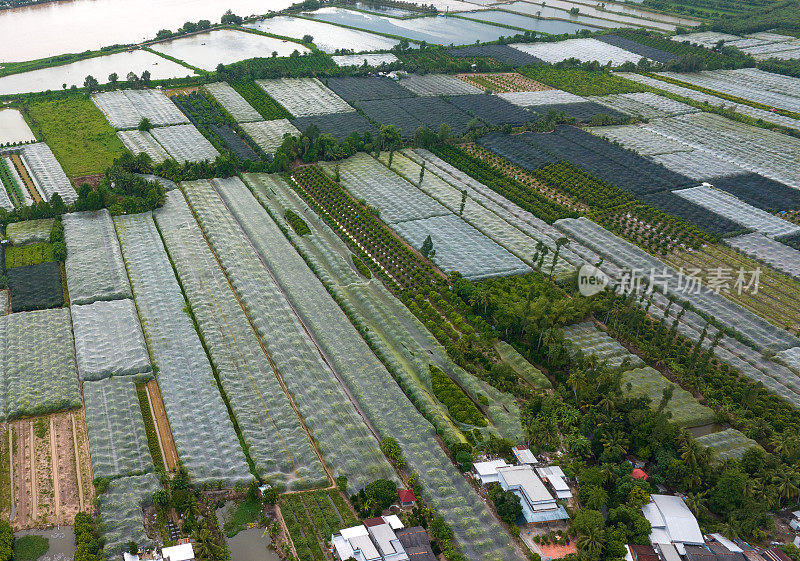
(407, 497)
(377, 521)
(639, 474)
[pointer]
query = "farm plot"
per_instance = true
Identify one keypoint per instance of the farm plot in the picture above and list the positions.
(790, 357)
(8, 187)
(503, 82)
(585, 50)
(29, 231)
(109, 341)
(728, 206)
(390, 112)
(312, 518)
(95, 270)
(637, 48)
(270, 427)
(682, 408)
(642, 141)
(388, 409)
(184, 143)
(714, 100)
(120, 509)
(762, 87)
(269, 134)
(338, 125)
(339, 431)
(460, 247)
(391, 329)
(692, 213)
(303, 97)
(541, 97)
(50, 178)
(517, 150)
(493, 109)
(233, 102)
(435, 112)
(40, 363)
(645, 105)
(371, 59)
(125, 109)
(35, 287)
(117, 436)
(437, 84)
(52, 475)
(205, 438)
(521, 366)
(588, 339)
(258, 99)
(581, 112)
(142, 141)
(15, 187)
(502, 53)
(360, 88)
(396, 199)
(760, 191)
(775, 254)
(13, 128)
(30, 191)
(698, 165)
(759, 332)
(729, 444)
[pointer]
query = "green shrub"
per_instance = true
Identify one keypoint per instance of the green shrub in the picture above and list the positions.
(362, 268)
(459, 405)
(30, 548)
(298, 224)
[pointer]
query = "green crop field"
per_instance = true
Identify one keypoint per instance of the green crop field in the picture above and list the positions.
(81, 138)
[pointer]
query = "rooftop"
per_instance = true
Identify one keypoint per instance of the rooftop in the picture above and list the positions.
(406, 496)
(672, 521)
(182, 552)
(524, 478)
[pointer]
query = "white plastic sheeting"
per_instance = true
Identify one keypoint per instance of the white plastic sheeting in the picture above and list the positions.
(269, 134)
(120, 508)
(233, 102)
(125, 109)
(303, 97)
(184, 143)
(437, 84)
(142, 141)
(50, 178)
(585, 50)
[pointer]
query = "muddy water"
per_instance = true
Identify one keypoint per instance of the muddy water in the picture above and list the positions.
(62, 542)
(13, 127)
(72, 26)
(251, 545)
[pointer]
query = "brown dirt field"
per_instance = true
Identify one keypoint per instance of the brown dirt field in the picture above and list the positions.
(181, 91)
(93, 180)
(168, 450)
(5, 473)
(83, 458)
(23, 173)
(45, 471)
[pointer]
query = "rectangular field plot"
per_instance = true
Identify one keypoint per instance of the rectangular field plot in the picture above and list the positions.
(142, 141)
(698, 165)
(269, 134)
(109, 340)
(460, 247)
(637, 48)
(541, 97)
(270, 427)
(372, 59)
(45, 169)
(590, 340)
(35, 287)
(29, 231)
(184, 143)
(493, 109)
(503, 53)
(40, 375)
(121, 510)
(517, 149)
(682, 407)
(204, 436)
(760, 191)
(645, 105)
(693, 213)
(95, 270)
(340, 433)
(775, 254)
(233, 102)
(730, 207)
(13, 128)
(125, 109)
(581, 112)
(503, 82)
(303, 97)
(437, 84)
(358, 88)
(338, 125)
(728, 444)
(397, 199)
(585, 50)
(117, 437)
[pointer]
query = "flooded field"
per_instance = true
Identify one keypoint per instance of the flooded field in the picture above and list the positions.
(207, 50)
(100, 67)
(551, 26)
(13, 127)
(326, 36)
(251, 545)
(62, 542)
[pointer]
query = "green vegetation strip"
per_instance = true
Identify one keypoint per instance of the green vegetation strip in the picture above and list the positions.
(582, 82)
(32, 254)
(258, 98)
(149, 426)
(30, 548)
(459, 405)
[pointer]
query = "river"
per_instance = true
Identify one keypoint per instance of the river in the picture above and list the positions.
(73, 26)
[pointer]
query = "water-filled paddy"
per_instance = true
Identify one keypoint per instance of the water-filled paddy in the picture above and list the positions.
(326, 36)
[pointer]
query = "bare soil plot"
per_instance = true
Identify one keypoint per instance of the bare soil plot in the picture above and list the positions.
(50, 472)
(168, 450)
(504, 82)
(23, 173)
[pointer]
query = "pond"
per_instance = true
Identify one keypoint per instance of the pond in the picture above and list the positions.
(546, 11)
(251, 545)
(100, 67)
(551, 26)
(440, 30)
(13, 127)
(73, 26)
(207, 50)
(62, 542)
(636, 17)
(327, 37)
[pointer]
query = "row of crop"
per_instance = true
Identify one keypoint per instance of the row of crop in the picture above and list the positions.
(312, 518)
(302, 529)
(267, 107)
(205, 438)
(340, 433)
(10, 194)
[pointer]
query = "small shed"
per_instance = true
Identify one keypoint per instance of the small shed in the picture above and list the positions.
(181, 552)
(407, 497)
(524, 455)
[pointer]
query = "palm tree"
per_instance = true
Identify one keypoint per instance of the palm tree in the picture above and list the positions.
(592, 541)
(786, 484)
(560, 242)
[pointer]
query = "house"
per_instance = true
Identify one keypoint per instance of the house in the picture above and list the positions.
(524, 455)
(672, 523)
(486, 472)
(180, 552)
(726, 543)
(712, 552)
(794, 524)
(641, 553)
(374, 540)
(407, 498)
(775, 554)
(538, 505)
(416, 543)
(554, 475)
